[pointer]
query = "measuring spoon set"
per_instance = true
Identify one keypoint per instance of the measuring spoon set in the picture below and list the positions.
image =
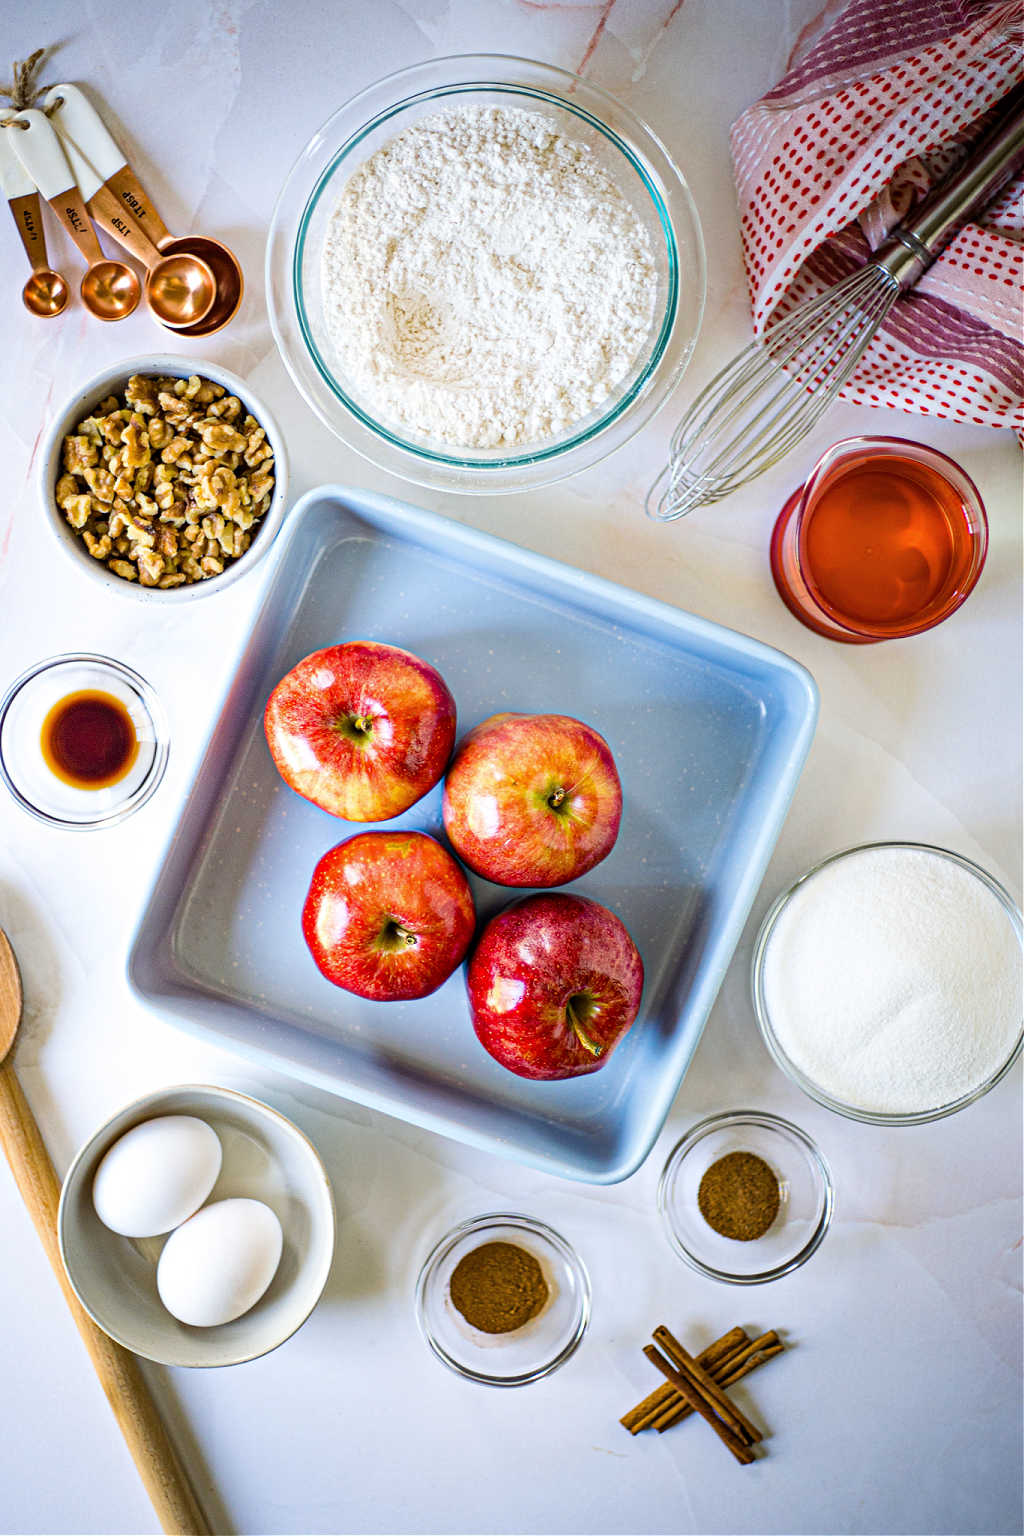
(193, 285)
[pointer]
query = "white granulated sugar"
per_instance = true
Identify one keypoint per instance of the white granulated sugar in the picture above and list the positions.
(893, 981)
(486, 283)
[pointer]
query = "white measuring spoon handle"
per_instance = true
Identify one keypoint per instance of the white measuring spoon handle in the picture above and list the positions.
(79, 122)
(14, 179)
(42, 157)
(89, 180)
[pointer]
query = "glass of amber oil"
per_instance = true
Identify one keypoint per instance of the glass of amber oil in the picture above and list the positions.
(886, 538)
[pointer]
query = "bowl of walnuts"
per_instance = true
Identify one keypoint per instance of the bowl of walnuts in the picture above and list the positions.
(164, 478)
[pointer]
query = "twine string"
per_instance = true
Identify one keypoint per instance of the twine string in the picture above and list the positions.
(23, 91)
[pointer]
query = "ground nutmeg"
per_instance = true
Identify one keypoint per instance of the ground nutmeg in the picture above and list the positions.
(739, 1196)
(498, 1287)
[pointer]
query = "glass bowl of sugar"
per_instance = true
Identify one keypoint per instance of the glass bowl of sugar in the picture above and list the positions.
(887, 982)
(485, 274)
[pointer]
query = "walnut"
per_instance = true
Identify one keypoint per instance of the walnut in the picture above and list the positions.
(135, 439)
(79, 453)
(151, 567)
(164, 495)
(67, 486)
(99, 548)
(261, 484)
(160, 432)
(100, 482)
(226, 409)
(112, 426)
(167, 542)
(140, 394)
(174, 450)
(174, 408)
(77, 509)
(168, 484)
(219, 437)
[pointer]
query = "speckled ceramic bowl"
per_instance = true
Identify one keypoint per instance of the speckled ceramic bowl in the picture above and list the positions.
(111, 381)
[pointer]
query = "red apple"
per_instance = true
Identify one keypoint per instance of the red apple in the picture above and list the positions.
(389, 915)
(532, 799)
(554, 984)
(363, 730)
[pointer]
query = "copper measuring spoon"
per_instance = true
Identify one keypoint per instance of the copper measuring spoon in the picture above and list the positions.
(110, 289)
(117, 1369)
(46, 293)
(180, 289)
(81, 124)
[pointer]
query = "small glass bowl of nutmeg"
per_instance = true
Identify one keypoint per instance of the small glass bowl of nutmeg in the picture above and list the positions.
(503, 1299)
(164, 478)
(746, 1197)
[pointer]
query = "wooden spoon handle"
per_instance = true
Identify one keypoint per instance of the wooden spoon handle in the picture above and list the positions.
(117, 1369)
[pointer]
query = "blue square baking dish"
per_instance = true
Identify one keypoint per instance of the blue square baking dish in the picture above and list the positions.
(709, 729)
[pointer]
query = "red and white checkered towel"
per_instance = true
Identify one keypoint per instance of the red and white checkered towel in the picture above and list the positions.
(825, 164)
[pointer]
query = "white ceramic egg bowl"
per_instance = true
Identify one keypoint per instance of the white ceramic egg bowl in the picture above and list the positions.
(266, 1158)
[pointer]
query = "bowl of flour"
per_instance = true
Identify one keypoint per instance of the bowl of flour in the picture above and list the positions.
(485, 274)
(887, 982)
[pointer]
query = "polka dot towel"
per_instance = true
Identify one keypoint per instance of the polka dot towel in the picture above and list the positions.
(879, 109)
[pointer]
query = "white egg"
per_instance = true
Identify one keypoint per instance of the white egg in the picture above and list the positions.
(156, 1175)
(220, 1262)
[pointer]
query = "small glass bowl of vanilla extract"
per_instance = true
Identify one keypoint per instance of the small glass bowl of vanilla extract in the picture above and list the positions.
(83, 741)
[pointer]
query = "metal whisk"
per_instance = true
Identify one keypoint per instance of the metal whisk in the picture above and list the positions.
(770, 396)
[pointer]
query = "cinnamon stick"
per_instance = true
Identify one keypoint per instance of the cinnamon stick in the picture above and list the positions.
(721, 1351)
(661, 1401)
(686, 1388)
(727, 1409)
(669, 1399)
(672, 1412)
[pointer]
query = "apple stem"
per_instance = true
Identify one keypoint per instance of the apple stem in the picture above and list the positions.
(395, 936)
(575, 1009)
(356, 728)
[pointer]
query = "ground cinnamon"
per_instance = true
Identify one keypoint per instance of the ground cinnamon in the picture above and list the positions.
(498, 1287)
(739, 1196)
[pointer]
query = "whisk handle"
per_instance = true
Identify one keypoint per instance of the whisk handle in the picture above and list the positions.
(914, 245)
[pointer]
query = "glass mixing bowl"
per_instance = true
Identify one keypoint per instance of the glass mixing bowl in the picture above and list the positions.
(629, 152)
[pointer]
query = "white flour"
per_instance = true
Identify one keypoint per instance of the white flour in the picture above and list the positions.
(893, 981)
(486, 283)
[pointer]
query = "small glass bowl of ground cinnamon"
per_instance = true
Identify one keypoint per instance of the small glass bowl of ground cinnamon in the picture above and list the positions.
(503, 1299)
(746, 1197)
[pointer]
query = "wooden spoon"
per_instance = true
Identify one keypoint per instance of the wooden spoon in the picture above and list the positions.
(117, 1369)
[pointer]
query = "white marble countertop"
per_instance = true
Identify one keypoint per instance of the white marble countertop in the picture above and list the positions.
(898, 1407)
